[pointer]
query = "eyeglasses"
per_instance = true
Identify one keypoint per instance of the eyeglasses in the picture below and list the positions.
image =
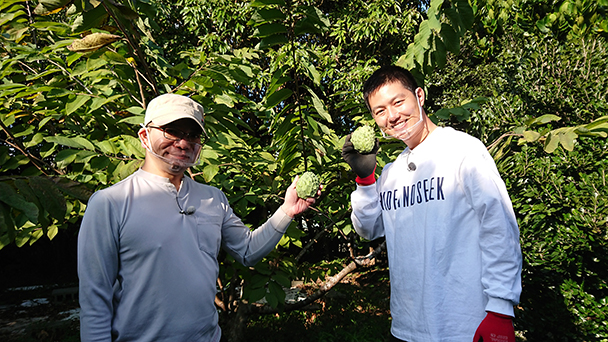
(174, 134)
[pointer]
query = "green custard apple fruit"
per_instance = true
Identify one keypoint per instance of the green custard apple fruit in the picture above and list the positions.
(363, 139)
(308, 185)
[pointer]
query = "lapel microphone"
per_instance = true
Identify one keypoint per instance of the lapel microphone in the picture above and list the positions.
(410, 165)
(189, 211)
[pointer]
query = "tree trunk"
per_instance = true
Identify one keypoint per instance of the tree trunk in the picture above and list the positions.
(237, 324)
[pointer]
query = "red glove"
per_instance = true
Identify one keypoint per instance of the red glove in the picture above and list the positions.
(495, 328)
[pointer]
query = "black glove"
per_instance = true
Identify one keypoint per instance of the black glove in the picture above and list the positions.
(363, 164)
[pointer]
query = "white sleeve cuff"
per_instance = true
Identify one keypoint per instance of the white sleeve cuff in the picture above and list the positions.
(500, 306)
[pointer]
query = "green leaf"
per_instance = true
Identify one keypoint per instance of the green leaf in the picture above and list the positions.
(544, 25)
(8, 17)
(136, 110)
(130, 146)
(42, 74)
(46, 7)
(304, 26)
(266, 15)
(439, 52)
(277, 97)
(97, 102)
(543, 119)
(319, 106)
(23, 236)
(50, 197)
(107, 147)
(6, 221)
(567, 139)
(225, 99)
(407, 60)
(52, 232)
(281, 280)
(210, 171)
(114, 57)
(9, 196)
(450, 38)
(278, 79)
(422, 38)
(133, 120)
(26, 191)
(74, 142)
(84, 156)
(263, 268)
(434, 23)
(531, 136)
(314, 74)
(266, 30)
(272, 299)
(59, 28)
(254, 294)
(35, 236)
(551, 143)
(78, 102)
(124, 12)
(75, 189)
(466, 13)
(275, 39)
(65, 158)
(90, 19)
(275, 295)
(261, 3)
(434, 7)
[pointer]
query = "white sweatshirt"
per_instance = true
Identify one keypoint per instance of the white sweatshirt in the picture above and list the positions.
(148, 272)
(452, 237)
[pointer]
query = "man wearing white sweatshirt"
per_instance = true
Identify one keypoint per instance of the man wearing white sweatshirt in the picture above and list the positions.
(451, 233)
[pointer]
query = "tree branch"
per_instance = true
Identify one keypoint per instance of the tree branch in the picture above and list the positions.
(80, 83)
(133, 45)
(500, 138)
(328, 285)
(19, 147)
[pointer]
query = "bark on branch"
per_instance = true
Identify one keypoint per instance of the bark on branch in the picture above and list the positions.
(327, 285)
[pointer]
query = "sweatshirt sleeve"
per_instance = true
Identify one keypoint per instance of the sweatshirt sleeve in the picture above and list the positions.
(498, 236)
(97, 268)
(249, 247)
(367, 213)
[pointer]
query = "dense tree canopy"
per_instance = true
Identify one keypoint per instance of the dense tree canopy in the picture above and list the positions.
(280, 82)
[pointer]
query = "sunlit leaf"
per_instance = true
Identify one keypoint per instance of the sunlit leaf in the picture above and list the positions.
(567, 139)
(46, 7)
(75, 104)
(210, 171)
(551, 143)
(531, 136)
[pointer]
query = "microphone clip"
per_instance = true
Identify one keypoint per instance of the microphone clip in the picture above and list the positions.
(189, 211)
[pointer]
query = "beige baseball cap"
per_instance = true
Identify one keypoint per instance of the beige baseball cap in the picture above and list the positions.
(167, 108)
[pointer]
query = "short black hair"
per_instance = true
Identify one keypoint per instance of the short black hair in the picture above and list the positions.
(388, 74)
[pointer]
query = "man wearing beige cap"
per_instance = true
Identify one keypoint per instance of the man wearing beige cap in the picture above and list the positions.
(148, 245)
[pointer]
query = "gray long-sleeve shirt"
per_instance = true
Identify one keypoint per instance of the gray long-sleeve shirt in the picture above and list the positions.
(148, 272)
